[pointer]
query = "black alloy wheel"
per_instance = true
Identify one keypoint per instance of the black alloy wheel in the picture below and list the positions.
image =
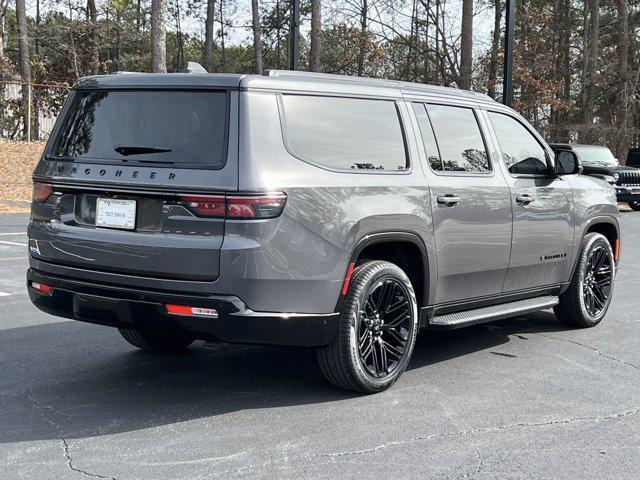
(597, 280)
(377, 330)
(383, 327)
(587, 299)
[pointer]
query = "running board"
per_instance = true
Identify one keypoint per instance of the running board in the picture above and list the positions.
(489, 314)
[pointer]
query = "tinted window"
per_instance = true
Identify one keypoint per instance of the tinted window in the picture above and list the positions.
(461, 146)
(345, 133)
(428, 139)
(521, 152)
(151, 126)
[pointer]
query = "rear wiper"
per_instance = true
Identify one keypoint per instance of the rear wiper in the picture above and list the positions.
(61, 158)
(126, 150)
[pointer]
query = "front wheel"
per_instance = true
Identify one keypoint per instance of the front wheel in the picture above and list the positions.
(587, 300)
(377, 330)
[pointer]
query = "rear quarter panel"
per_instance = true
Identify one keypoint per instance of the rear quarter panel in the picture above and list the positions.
(303, 262)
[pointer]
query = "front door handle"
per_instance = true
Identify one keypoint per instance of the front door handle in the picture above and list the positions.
(449, 200)
(525, 198)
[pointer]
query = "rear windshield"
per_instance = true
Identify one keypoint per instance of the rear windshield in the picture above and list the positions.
(156, 127)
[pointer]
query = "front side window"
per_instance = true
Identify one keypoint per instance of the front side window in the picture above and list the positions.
(345, 133)
(153, 126)
(521, 152)
(462, 148)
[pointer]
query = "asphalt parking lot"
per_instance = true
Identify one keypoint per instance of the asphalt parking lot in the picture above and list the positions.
(521, 398)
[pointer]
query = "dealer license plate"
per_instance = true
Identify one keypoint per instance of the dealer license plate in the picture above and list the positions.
(116, 213)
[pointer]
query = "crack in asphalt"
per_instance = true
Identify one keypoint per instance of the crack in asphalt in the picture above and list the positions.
(478, 469)
(464, 433)
(41, 411)
(588, 347)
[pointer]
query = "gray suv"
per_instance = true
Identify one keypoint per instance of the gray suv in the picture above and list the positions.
(310, 210)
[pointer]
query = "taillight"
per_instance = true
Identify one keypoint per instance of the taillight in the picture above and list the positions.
(269, 205)
(206, 206)
(41, 191)
(256, 206)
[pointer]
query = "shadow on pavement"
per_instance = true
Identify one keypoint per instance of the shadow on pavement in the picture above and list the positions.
(80, 380)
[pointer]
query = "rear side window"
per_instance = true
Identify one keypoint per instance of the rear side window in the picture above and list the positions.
(345, 133)
(521, 152)
(462, 148)
(150, 126)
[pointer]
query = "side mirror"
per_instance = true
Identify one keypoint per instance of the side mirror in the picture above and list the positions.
(567, 163)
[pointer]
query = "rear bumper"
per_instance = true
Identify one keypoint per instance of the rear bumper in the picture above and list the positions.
(135, 308)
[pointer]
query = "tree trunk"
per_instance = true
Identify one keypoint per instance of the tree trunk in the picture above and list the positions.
(2, 68)
(466, 48)
(592, 65)
(119, 64)
(93, 39)
(364, 13)
(25, 66)
(565, 60)
(223, 54)
(208, 35)
(257, 37)
(158, 37)
(495, 49)
(278, 34)
(1, 36)
(622, 109)
(316, 32)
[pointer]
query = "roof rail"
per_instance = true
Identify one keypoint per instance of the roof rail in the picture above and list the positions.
(412, 86)
(193, 67)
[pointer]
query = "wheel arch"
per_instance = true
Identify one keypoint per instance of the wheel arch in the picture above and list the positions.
(405, 249)
(605, 225)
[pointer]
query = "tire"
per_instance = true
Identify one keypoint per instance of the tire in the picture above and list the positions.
(345, 362)
(634, 205)
(575, 308)
(156, 341)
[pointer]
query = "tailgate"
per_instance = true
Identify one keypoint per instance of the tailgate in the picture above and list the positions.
(139, 154)
(168, 239)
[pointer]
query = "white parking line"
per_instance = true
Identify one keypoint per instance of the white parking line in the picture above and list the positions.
(10, 234)
(12, 258)
(4, 242)
(2, 294)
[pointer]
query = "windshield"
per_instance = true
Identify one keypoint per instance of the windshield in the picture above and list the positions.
(145, 126)
(596, 156)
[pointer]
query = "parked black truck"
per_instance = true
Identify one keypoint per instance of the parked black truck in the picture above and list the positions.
(598, 161)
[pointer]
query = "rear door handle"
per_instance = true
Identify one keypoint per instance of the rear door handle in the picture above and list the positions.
(525, 198)
(448, 199)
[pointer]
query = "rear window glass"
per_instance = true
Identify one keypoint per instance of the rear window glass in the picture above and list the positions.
(158, 127)
(345, 133)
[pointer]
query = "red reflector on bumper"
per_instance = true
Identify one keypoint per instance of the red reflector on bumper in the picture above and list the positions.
(347, 278)
(41, 287)
(192, 311)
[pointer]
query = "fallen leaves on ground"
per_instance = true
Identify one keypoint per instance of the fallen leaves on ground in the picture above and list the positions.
(17, 161)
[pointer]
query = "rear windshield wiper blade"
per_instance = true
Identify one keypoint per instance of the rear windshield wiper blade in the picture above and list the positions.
(133, 150)
(61, 158)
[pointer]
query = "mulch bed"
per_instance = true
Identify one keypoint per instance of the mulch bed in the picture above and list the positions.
(17, 161)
